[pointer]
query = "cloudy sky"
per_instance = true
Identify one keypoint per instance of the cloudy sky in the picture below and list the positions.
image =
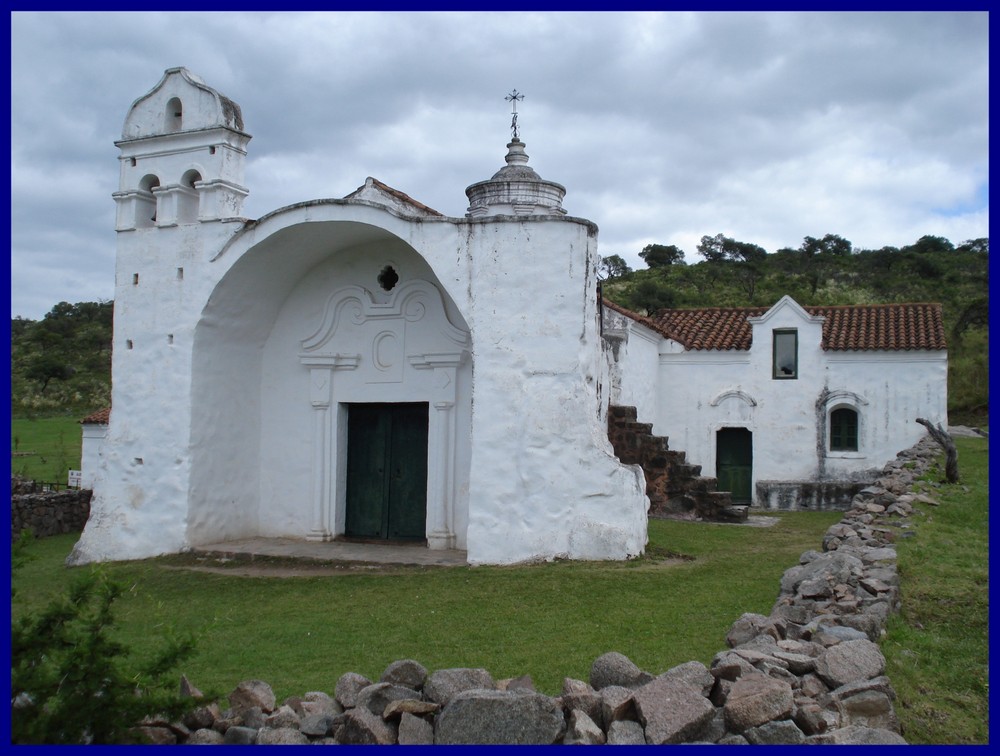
(663, 127)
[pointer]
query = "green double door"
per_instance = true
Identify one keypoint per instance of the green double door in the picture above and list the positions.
(734, 463)
(387, 471)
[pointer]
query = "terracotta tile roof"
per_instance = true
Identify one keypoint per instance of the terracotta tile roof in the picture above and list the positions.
(101, 417)
(888, 327)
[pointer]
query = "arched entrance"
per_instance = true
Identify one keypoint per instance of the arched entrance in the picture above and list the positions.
(313, 327)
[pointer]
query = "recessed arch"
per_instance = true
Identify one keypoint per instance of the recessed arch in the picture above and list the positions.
(272, 378)
(736, 394)
(173, 116)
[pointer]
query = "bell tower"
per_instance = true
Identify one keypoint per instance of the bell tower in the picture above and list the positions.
(183, 150)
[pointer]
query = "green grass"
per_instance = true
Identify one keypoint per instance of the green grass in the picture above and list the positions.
(547, 620)
(45, 448)
(937, 648)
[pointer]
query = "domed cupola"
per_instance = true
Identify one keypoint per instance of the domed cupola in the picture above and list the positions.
(515, 189)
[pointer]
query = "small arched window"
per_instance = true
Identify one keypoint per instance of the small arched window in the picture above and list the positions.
(146, 206)
(174, 115)
(844, 429)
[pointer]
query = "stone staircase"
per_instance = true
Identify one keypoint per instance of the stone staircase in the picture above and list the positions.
(674, 487)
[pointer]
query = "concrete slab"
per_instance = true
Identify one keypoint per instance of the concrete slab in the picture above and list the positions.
(334, 551)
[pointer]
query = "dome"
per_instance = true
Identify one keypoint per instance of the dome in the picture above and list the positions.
(515, 189)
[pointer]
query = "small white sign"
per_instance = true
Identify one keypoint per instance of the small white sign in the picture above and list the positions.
(75, 478)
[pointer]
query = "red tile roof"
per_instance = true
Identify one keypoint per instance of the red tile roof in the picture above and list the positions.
(101, 417)
(888, 327)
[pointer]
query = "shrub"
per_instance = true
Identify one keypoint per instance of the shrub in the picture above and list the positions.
(69, 682)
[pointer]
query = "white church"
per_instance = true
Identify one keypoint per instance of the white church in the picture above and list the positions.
(367, 368)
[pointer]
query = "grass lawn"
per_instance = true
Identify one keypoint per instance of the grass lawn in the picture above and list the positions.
(937, 647)
(45, 448)
(547, 620)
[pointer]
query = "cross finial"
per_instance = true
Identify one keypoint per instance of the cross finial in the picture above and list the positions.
(513, 98)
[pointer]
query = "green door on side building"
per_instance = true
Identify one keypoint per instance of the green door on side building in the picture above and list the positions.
(387, 471)
(734, 463)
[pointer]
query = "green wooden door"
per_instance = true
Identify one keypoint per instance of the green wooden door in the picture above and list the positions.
(734, 462)
(387, 471)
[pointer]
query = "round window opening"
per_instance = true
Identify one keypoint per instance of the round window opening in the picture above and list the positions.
(388, 278)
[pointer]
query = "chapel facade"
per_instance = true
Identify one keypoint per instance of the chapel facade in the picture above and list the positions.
(363, 367)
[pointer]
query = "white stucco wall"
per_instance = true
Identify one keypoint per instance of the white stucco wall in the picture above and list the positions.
(92, 437)
(703, 391)
(224, 416)
(632, 351)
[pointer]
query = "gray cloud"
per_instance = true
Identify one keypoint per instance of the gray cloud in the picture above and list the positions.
(662, 126)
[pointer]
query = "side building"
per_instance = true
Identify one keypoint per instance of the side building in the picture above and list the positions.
(788, 406)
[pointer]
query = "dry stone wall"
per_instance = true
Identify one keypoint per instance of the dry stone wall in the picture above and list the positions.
(810, 672)
(46, 513)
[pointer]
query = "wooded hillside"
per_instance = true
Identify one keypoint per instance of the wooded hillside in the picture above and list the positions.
(830, 271)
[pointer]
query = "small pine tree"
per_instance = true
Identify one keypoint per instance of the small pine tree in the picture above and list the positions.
(69, 682)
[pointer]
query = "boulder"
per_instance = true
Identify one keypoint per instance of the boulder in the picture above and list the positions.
(395, 709)
(280, 736)
(782, 732)
(849, 662)
(749, 626)
(614, 668)
(616, 703)
(316, 725)
(499, 717)
(672, 711)
(347, 688)
(284, 716)
(626, 732)
(445, 684)
(407, 673)
(855, 735)
(755, 700)
(251, 693)
(694, 673)
(414, 730)
(582, 730)
(361, 727)
(376, 697)
(206, 736)
(239, 735)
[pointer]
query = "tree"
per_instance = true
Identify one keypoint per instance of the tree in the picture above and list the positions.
(979, 246)
(651, 296)
(929, 244)
(818, 254)
(662, 255)
(748, 259)
(613, 266)
(46, 367)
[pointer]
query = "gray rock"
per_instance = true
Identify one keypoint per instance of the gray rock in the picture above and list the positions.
(849, 662)
(783, 732)
(798, 664)
(587, 702)
(880, 684)
(347, 688)
(253, 717)
(395, 709)
(499, 717)
(239, 735)
(858, 736)
(361, 727)
(833, 567)
(728, 665)
(614, 668)
(284, 716)
(524, 682)
(573, 687)
(376, 697)
(748, 626)
(206, 736)
(251, 693)
(445, 684)
(616, 703)
(281, 736)
(869, 708)
(582, 730)
(626, 732)
(830, 635)
(414, 730)
(672, 711)
(155, 735)
(202, 716)
(188, 690)
(732, 739)
(407, 673)
(316, 725)
(693, 673)
(813, 719)
(757, 699)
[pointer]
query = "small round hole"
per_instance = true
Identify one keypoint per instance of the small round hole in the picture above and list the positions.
(388, 278)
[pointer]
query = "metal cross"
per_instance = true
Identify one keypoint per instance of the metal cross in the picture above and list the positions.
(513, 98)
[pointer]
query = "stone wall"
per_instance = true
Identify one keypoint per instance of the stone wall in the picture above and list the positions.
(810, 672)
(46, 513)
